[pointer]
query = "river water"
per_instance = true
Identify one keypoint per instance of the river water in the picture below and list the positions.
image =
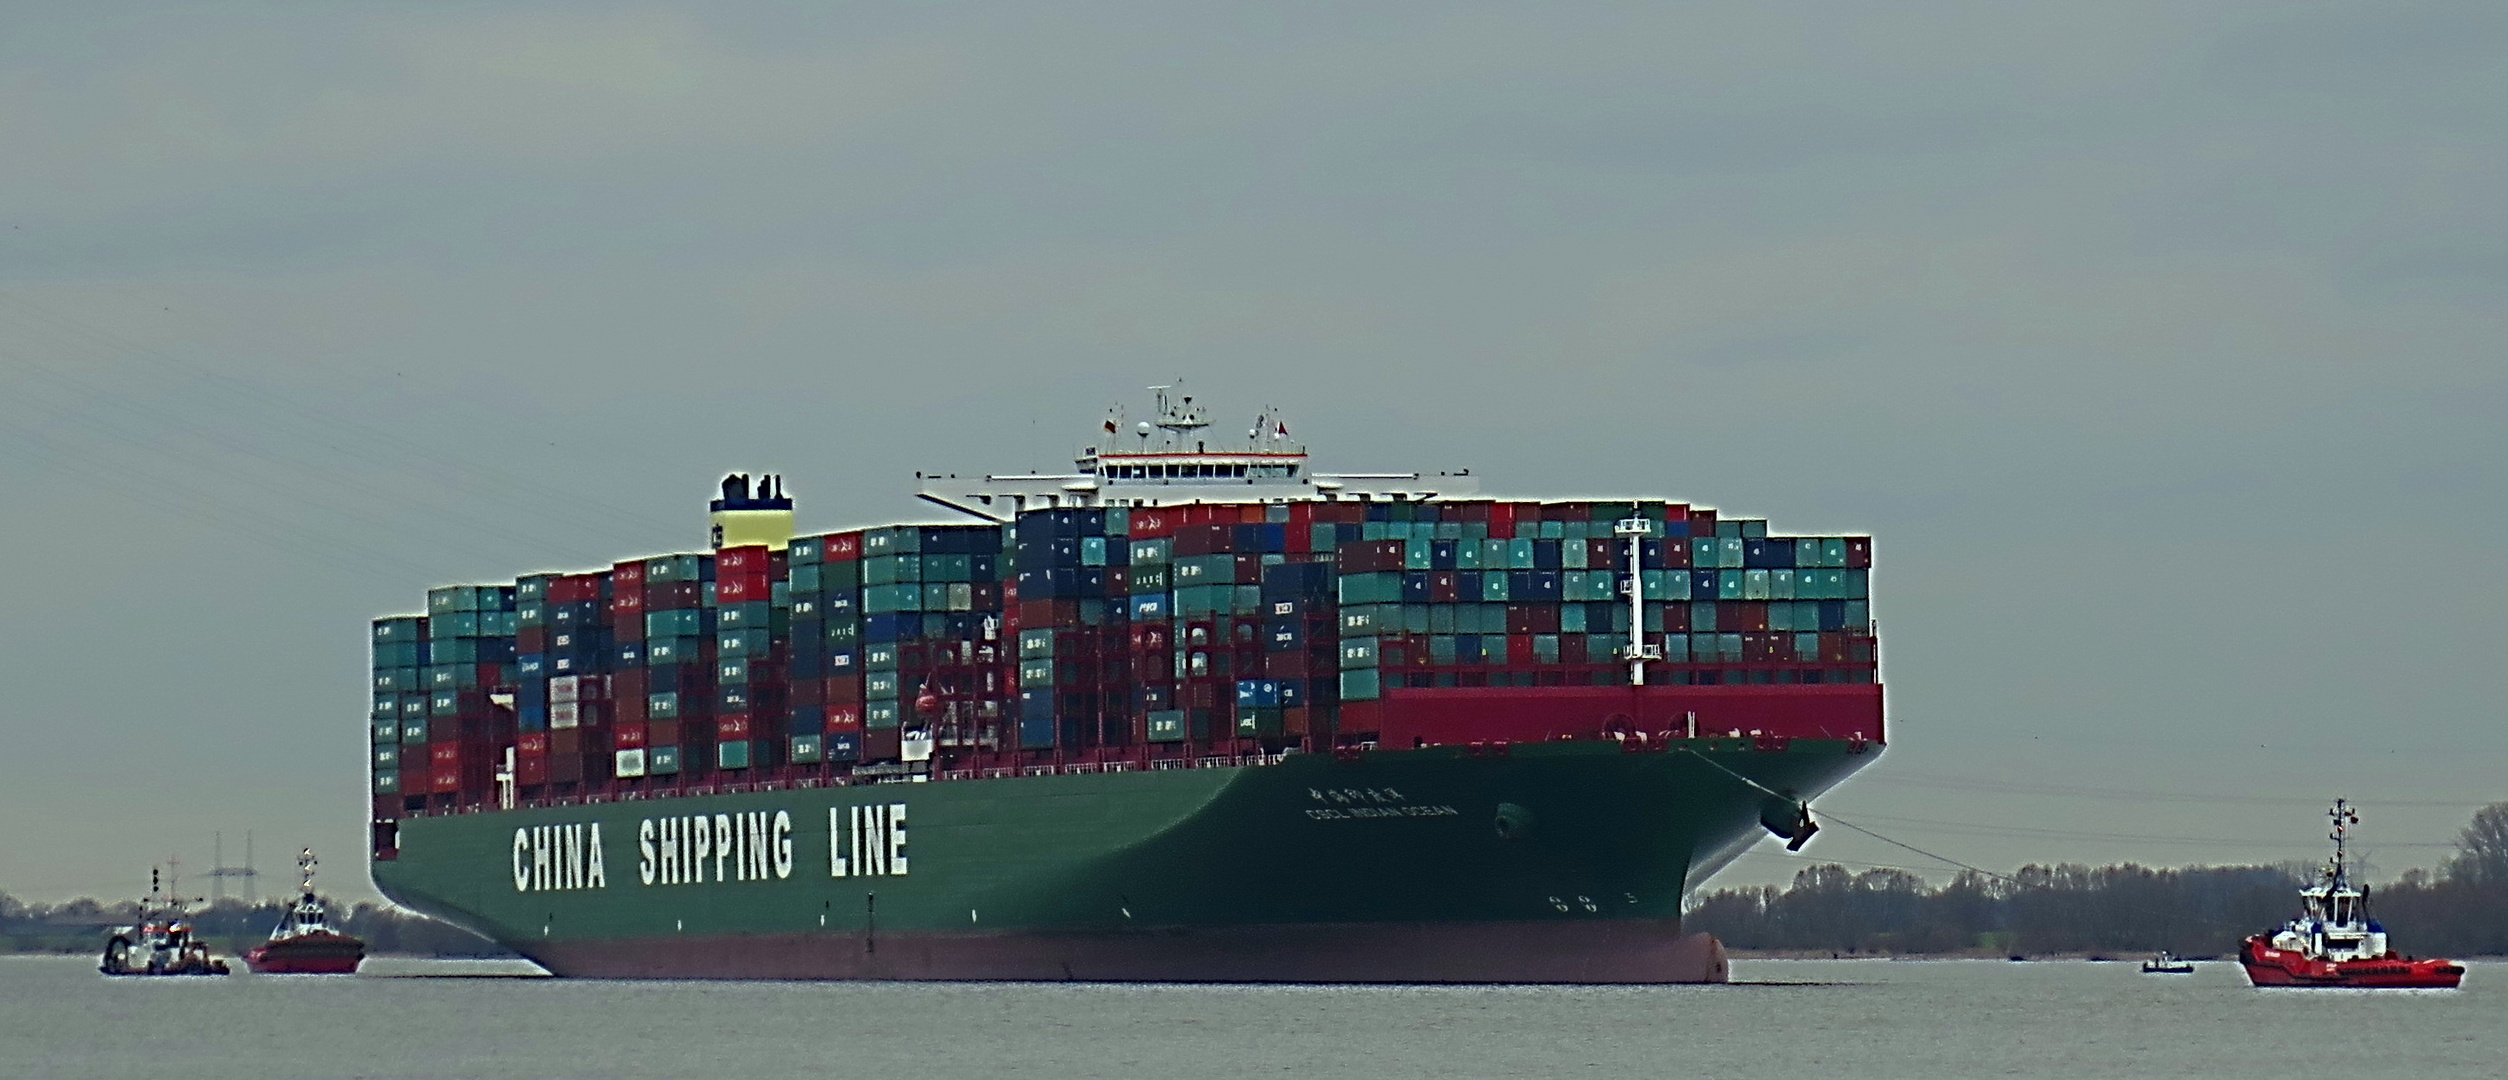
(1789, 1018)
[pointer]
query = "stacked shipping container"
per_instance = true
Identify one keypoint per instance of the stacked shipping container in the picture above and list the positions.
(1079, 633)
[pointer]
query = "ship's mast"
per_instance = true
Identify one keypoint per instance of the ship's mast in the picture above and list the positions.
(1179, 419)
(2336, 875)
(1633, 530)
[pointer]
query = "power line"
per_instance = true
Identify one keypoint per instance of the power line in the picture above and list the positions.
(2073, 834)
(2083, 791)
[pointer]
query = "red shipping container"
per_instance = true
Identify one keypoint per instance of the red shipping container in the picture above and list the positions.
(1676, 553)
(445, 779)
(746, 560)
(1153, 524)
(843, 690)
(741, 590)
(532, 742)
(1362, 718)
(844, 718)
(444, 754)
(1442, 588)
(531, 768)
(1296, 722)
(1859, 552)
(808, 691)
(1520, 650)
(731, 726)
(673, 596)
(564, 741)
(627, 575)
(531, 639)
(841, 547)
(628, 736)
(627, 603)
(1572, 648)
(565, 769)
(1676, 618)
(576, 588)
(1741, 615)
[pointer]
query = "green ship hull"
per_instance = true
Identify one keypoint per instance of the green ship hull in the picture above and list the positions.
(1544, 862)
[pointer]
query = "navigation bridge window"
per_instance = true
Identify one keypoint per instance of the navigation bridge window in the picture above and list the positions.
(1202, 471)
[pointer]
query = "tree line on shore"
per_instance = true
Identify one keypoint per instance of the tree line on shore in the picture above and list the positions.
(230, 927)
(2461, 910)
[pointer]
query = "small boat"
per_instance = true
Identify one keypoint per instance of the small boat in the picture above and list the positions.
(2165, 964)
(160, 943)
(2334, 942)
(305, 943)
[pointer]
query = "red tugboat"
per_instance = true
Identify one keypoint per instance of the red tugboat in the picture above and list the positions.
(2334, 943)
(304, 943)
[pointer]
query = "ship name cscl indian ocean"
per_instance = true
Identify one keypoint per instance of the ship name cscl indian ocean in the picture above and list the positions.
(1190, 711)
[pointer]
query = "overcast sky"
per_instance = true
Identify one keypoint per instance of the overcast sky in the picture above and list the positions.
(2159, 345)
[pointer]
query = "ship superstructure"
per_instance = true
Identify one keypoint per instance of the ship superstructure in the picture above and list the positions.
(1174, 459)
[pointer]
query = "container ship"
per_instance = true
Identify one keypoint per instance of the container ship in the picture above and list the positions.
(1189, 712)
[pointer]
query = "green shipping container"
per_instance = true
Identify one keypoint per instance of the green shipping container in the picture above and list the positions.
(1361, 684)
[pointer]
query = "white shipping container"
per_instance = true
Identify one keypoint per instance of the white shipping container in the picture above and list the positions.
(564, 714)
(564, 688)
